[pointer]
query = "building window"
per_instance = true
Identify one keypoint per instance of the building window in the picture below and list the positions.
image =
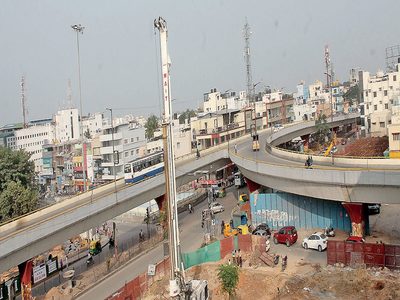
(137, 139)
(382, 124)
(132, 140)
(394, 78)
(126, 141)
(396, 136)
(137, 151)
(126, 153)
(375, 94)
(386, 106)
(178, 145)
(132, 152)
(375, 107)
(385, 93)
(366, 93)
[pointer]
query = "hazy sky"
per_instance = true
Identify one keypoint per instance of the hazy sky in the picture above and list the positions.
(119, 51)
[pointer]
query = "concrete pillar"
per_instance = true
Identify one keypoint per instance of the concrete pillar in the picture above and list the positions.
(160, 200)
(253, 186)
(306, 140)
(357, 216)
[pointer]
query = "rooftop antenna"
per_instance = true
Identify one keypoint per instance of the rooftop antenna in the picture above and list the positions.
(247, 33)
(24, 102)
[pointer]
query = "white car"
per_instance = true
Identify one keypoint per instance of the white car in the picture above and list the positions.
(278, 127)
(317, 240)
(216, 207)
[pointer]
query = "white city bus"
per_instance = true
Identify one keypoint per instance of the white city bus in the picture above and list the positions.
(144, 167)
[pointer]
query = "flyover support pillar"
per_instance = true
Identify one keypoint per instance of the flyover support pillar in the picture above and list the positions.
(160, 202)
(306, 140)
(253, 186)
(357, 216)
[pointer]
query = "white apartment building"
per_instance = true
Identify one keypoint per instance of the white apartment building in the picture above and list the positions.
(94, 123)
(67, 125)
(305, 112)
(32, 139)
(394, 133)
(379, 93)
(129, 144)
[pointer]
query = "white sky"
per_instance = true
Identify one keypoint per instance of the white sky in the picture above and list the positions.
(120, 53)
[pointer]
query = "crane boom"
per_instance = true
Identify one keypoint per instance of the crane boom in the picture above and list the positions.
(174, 241)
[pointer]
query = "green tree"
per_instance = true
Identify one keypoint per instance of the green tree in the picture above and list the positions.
(16, 201)
(287, 96)
(18, 189)
(229, 278)
(352, 94)
(186, 115)
(151, 126)
(87, 134)
(322, 127)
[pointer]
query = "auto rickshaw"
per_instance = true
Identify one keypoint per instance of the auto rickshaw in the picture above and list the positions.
(95, 247)
(243, 199)
(222, 193)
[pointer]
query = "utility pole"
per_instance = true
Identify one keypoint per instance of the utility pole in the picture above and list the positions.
(247, 33)
(79, 29)
(329, 85)
(113, 150)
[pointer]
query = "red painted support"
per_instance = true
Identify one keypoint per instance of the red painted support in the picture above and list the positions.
(357, 216)
(306, 139)
(160, 200)
(253, 186)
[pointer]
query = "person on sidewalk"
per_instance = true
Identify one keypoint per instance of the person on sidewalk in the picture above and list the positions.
(239, 255)
(233, 256)
(235, 149)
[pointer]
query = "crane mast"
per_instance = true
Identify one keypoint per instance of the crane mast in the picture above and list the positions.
(174, 241)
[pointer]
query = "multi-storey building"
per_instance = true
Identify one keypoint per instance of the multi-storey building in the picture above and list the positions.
(94, 123)
(67, 125)
(302, 94)
(378, 94)
(129, 144)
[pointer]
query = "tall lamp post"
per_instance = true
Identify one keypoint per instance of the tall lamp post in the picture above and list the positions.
(331, 104)
(254, 103)
(113, 150)
(79, 29)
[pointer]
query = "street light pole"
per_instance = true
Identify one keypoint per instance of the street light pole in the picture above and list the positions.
(113, 150)
(79, 29)
(331, 104)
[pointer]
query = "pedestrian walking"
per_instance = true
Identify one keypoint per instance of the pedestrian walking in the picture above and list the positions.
(198, 153)
(61, 265)
(235, 149)
(233, 256)
(66, 261)
(222, 226)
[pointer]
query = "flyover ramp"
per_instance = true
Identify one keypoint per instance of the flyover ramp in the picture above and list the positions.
(30, 235)
(348, 180)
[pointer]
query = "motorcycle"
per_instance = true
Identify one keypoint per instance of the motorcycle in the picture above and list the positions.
(89, 261)
(284, 263)
(329, 232)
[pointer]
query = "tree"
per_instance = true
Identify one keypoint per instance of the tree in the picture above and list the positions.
(151, 126)
(87, 134)
(229, 278)
(186, 115)
(352, 94)
(18, 189)
(287, 96)
(322, 127)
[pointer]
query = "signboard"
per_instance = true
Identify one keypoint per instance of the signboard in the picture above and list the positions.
(209, 181)
(151, 270)
(39, 273)
(51, 265)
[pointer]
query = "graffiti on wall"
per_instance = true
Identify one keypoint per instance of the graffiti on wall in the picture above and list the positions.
(275, 218)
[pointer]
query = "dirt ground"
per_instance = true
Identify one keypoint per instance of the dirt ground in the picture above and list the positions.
(299, 281)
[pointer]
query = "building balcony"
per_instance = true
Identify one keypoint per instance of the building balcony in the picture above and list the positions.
(109, 149)
(108, 137)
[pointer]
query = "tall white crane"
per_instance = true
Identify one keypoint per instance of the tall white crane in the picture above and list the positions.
(174, 241)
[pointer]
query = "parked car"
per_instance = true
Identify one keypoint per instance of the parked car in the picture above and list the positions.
(286, 235)
(355, 239)
(316, 240)
(216, 207)
(374, 208)
(261, 233)
(264, 227)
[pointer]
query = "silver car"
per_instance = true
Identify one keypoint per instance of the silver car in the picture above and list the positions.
(216, 207)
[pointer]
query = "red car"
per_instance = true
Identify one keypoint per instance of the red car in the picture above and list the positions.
(286, 235)
(355, 239)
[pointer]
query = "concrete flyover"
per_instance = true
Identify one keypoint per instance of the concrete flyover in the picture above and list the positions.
(25, 237)
(348, 180)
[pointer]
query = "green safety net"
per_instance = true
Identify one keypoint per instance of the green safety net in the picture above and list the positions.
(211, 252)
